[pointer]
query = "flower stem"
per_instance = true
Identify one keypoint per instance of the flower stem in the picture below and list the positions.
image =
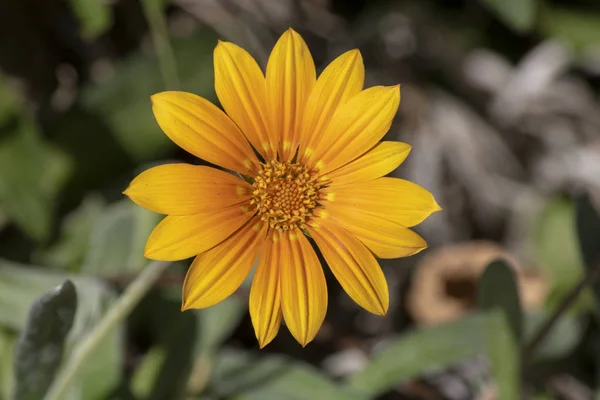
(124, 305)
(153, 11)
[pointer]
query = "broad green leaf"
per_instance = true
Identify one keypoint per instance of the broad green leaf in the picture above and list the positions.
(557, 252)
(420, 351)
(40, 347)
(69, 251)
(560, 342)
(27, 193)
(498, 290)
(238, 375)
(216, 323)
(588, 232)
(517, 14)
(118, 238)
(577, 28)
(503, 351)
(21, 284)
(95, 17)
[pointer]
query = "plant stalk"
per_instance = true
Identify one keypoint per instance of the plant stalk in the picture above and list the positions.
(121, 309)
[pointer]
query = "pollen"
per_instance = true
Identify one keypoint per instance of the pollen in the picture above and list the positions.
(285, 194)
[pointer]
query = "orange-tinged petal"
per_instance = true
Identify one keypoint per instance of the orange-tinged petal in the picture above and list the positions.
(291, 76)
(217, 273)
(185, 189)
(343, 78)
(353, 265)
(377, 162)
(181, 237)
(241, 89)
(356, 127)
(201, 128)
(303, 287)
(265, 293)
(385, 238)
(395, 199)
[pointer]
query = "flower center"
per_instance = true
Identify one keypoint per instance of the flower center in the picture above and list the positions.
(285, 194)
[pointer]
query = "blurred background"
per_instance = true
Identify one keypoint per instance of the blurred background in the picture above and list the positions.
(500, 103)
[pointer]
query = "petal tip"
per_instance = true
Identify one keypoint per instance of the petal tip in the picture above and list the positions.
(356, 53)
(221, 44)
(150, 253)
(264, 341)
(381, 310)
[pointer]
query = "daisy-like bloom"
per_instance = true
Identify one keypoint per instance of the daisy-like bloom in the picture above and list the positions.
(304, 160)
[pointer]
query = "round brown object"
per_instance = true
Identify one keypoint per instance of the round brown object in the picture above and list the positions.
(444, 286)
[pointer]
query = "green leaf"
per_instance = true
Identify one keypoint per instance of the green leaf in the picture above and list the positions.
(7, 349)
(174, 334)
(147, 372)
(421, 351)
(21, 284)
(216, 323)
(504, 354)
(588, 232)
(69, 251)
(95, 17)
(118, 239)
(123, 102)
(517, 14)
(557, 252)
(560, 342)
(498, 290)
(28, 192)
(107, 363)
(39, 350)
(238, 375)
(579, 29)
(498, 294)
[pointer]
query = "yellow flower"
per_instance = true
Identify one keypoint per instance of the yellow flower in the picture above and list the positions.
(309, 164)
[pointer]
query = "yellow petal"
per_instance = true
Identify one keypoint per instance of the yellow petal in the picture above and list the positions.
(356, 127)
(201, 128)
(385, 238)
(291, 76)
(184, 189)
(377, 162)
(217, 273)
(353, 265)
(343, 78)
(303, 287)
(241, 89)
(265, 294)
(181, 237)
(390, 198)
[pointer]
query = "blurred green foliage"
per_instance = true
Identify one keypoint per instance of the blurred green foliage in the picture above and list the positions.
(60, 185)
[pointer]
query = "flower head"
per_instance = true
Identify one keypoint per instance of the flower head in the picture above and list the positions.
(307, 162)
